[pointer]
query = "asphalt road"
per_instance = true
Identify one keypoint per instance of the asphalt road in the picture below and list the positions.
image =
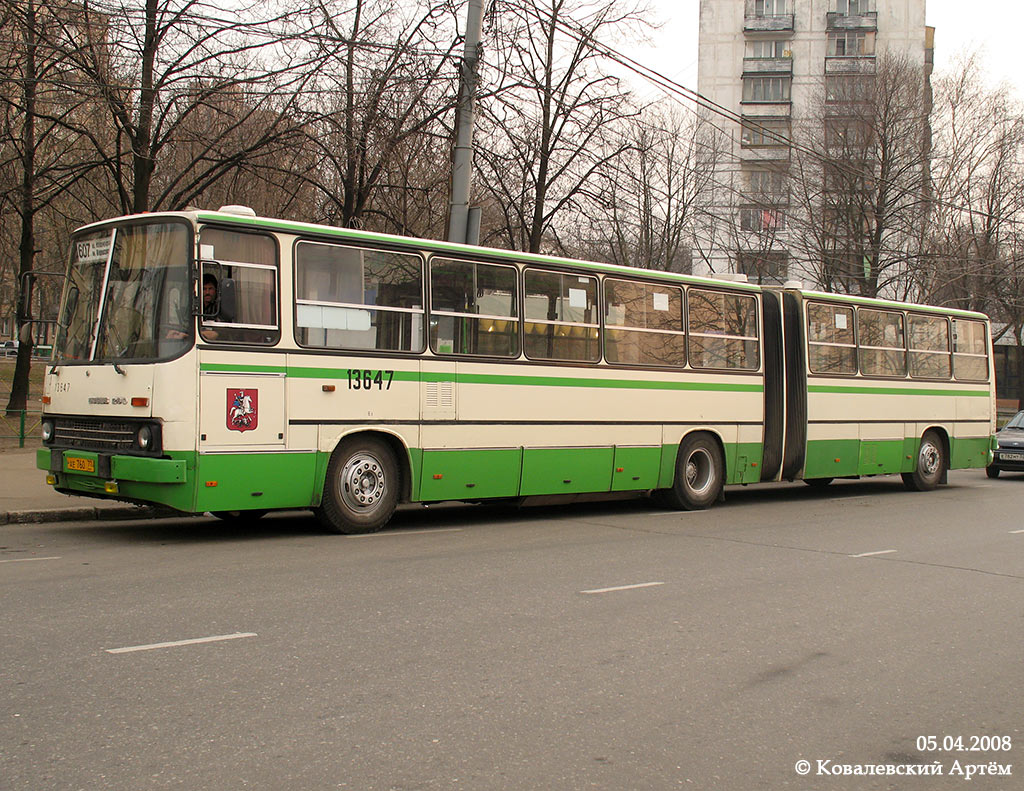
(489, 648)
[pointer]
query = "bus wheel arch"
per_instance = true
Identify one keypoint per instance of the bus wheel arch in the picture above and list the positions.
(700, 474)
(367, 476)
(931, 462)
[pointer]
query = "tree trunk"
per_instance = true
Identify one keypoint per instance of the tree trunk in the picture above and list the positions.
(19, 384)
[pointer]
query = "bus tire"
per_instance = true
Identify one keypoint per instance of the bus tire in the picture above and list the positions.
(930, 464)
(361, 488)
(700, 474)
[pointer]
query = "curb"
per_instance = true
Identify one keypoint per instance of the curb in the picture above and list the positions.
(87, 513)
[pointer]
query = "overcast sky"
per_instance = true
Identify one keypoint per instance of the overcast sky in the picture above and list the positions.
(992, 27)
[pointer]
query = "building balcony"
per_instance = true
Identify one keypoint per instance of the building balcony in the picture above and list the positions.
(763, 109)
(753, 155)
(866, 21)
(779, 23)
(843, 64)
(753, 66)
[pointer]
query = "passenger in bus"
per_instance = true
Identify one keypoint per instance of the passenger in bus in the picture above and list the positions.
(211, 308)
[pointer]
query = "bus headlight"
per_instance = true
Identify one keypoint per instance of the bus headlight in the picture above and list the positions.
(145, 437)
(46, 431)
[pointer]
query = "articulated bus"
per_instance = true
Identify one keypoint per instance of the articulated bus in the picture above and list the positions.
(215, 361)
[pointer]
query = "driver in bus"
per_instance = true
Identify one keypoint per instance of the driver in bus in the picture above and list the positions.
(211, 307)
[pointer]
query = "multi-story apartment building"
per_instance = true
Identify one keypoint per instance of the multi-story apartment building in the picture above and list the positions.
(781, 68)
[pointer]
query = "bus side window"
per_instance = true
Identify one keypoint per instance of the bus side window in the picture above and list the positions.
(561, 316)
(644, 323)
(722, 330)
(970, 350)
(929, 347)
(238, 287)
(882, 343)
(831, 344)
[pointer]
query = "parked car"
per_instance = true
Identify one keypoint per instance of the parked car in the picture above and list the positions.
(1009, 455)
(10, 348)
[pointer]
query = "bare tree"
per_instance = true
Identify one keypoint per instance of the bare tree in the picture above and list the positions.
(552, 123)
(860, 178)
(978, 189)
(641, 213)
(36, 151)
(387, 89)
(166, 70)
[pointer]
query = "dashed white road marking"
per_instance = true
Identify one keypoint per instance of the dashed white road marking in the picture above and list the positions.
(623, 587)
(175, 643)
(1015, 532)
(872, 554)
(26, 560)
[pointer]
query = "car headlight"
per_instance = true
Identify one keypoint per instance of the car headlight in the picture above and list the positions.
(46, 431)
(145, 437)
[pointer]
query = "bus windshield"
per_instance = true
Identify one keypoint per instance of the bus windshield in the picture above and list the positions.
(128, 294)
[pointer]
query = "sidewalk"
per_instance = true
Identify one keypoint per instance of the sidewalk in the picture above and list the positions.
(26, 497)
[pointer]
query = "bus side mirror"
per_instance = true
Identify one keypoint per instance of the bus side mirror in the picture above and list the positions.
(25, 302)
(228, 300)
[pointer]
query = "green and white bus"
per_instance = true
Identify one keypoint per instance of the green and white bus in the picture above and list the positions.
(215, 361)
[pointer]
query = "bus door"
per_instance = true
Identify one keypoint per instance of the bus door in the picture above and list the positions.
(785, 387)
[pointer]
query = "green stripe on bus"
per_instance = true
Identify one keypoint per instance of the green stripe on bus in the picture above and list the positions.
(921, 391)
(534, 381)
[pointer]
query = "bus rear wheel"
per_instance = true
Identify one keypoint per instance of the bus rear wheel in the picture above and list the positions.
(700, 474)
(931, 463)
(361, 490)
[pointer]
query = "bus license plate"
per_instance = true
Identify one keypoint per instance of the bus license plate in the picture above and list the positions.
(80, 465)
(1012, 456)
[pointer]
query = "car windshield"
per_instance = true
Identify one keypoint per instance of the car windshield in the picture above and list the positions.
(1017, 421)
(128, 294)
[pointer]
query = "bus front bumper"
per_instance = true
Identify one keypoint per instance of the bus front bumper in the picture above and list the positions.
(131, 478)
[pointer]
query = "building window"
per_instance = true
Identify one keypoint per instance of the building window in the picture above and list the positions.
(851, 44)
(847, 133)
(766, 89)
(764, 133)
(763, 266)
(771, 7)
(763, 50)
(849, 88)
(855, 7)
(761, 219)
(767, 183)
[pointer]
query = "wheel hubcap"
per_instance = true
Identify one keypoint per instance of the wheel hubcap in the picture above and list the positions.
(699, 472)
(362, 482)
(929, 459)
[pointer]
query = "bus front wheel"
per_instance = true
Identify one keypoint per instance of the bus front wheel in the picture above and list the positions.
(361, 490)
(700, 474)
(930, 465)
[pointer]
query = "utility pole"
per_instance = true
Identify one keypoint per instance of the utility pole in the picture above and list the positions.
(462, 227)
